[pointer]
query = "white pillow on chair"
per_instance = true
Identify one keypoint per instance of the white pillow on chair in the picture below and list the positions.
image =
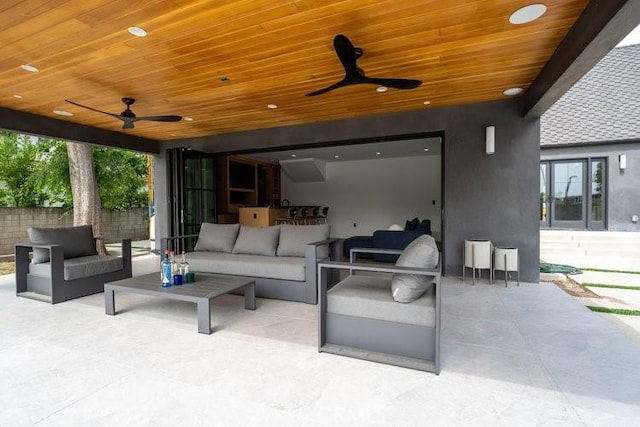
(421, 253)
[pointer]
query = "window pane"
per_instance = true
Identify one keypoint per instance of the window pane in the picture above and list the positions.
(544, 191)
(597, 190)
(567, 187)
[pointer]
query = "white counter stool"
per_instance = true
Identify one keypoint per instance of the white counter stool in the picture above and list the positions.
(506, 259)
(476, 254)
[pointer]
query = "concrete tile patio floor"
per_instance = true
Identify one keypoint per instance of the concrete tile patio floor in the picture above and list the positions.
(510, 356)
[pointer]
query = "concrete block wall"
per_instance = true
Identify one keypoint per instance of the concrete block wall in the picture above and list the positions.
(14, 223)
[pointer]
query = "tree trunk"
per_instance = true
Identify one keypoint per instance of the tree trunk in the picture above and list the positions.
(87, 209)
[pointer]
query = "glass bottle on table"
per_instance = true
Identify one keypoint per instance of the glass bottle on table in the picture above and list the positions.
(165, 271)
(184, 267)
(175, 270)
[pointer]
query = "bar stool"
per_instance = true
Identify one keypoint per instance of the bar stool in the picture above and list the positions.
(506, 259)
(476, 254)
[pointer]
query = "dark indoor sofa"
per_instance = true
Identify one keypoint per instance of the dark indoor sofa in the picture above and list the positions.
(387, 239)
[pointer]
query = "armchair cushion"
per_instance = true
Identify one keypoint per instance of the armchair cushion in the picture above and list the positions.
(77, 241)
(257, 240)
(422, 253)
(81, 267)
(293, 238)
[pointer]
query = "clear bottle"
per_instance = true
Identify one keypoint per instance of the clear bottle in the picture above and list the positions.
(165, 271)
(174, 265)
(184, 266)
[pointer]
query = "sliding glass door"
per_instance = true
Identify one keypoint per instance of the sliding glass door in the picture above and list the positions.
(192, 177)
(572, 194)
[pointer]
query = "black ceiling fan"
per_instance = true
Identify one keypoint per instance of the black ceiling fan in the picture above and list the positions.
(348, 54)
(128, 117)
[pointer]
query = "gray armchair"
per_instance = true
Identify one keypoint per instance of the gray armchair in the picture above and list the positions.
(66, 265)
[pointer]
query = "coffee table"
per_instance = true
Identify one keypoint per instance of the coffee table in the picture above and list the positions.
(202, 291)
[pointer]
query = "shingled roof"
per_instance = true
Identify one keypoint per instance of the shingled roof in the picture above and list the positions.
(603, 106)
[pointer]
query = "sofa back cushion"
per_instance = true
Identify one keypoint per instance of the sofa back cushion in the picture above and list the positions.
(422, 253)
(217, 237)
(294, 238)
(76, 241)
(257, 240)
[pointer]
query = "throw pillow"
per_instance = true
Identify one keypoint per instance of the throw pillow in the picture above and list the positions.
(422, 253)
(293, 238)
(257, 240)
(217, 237)
(76, 241)
(411, 224)
(424, 227)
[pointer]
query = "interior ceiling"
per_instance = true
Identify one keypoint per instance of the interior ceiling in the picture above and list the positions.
(369, 151)
(271, 51)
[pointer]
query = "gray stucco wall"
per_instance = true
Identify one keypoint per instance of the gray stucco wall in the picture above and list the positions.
(623, 186)
(493, 197)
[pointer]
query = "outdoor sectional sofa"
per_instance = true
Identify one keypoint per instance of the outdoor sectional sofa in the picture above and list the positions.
(281, 258)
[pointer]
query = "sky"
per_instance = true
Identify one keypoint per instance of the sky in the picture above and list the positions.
(632, 38)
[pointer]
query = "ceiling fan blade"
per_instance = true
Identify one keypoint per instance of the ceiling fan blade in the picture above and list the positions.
(92, 109)
(341, 83)
(160, 118)
(346, 54)
(394, 83)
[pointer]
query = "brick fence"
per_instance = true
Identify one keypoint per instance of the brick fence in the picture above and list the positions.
(14, 222)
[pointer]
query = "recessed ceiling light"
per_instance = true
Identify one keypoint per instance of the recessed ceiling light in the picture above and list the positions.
(527, 14)
(173, 134)
(188, 119)
(427, 102)
(426, 149)
(137, 31)
(382, 89)
(62, 113)
(378, 153)
(272, 106)
(336, 156)
(293, 155)
(17, 96)
(513, 91)
(29, 68)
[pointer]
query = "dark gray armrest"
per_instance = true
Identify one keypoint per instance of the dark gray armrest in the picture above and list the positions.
(354, 251)
(56, 260)
(311, 259)
(435, 272)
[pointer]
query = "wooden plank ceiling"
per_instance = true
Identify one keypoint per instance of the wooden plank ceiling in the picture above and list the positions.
(271, 52)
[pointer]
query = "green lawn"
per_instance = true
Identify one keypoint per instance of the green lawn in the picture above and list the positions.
(614, 310)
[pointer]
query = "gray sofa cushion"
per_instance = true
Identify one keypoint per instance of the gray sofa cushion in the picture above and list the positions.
(270, 267)
(257, 240)
(77, 241)
(422, 253)
(293, 238)
(80, 267)
(217, 237)
(369, 297)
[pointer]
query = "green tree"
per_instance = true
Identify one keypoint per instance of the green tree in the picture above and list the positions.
(21, 156)
(37, 169)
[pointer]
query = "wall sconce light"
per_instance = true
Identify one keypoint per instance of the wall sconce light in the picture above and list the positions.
(623, 161)
(490, 139)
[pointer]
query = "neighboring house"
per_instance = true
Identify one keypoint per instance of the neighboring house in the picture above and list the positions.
(590, 149)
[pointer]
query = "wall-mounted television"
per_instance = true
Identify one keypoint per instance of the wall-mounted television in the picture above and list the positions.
(242, 175)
